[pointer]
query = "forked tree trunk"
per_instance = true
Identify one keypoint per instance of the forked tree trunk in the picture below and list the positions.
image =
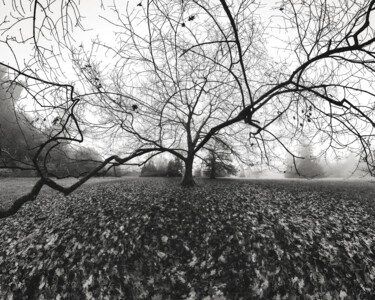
(188, 179)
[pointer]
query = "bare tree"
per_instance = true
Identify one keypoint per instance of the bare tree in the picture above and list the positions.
(180, 73)
(177, 84)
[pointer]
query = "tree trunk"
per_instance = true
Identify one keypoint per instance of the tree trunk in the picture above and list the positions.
(188, 180)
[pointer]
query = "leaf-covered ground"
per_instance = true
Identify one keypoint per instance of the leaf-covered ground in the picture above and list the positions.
(13, 188)
(150, 239)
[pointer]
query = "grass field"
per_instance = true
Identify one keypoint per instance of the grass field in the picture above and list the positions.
(225, 239)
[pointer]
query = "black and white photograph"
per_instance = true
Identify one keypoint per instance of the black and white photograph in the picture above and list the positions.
(187, 149)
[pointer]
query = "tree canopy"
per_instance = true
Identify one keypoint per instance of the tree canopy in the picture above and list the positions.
(171, 76)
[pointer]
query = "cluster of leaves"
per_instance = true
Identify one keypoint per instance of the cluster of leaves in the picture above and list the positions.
(150, 239)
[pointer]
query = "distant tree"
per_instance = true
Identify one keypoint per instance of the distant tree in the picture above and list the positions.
(154, 168)
(161, 165)
(115, 171)
(306, 167)
(65, 161)
(175, 168)
(218, 162)
(149, 169)
(130, 171)
(242, 172)
(198, 172)
(85, 159)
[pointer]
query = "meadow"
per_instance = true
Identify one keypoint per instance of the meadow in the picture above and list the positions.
(225, 239)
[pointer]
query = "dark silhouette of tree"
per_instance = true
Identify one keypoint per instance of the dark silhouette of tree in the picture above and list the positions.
(218, 162)
(175, 168)
(149, 170)
(152, 169)
(172, 83)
